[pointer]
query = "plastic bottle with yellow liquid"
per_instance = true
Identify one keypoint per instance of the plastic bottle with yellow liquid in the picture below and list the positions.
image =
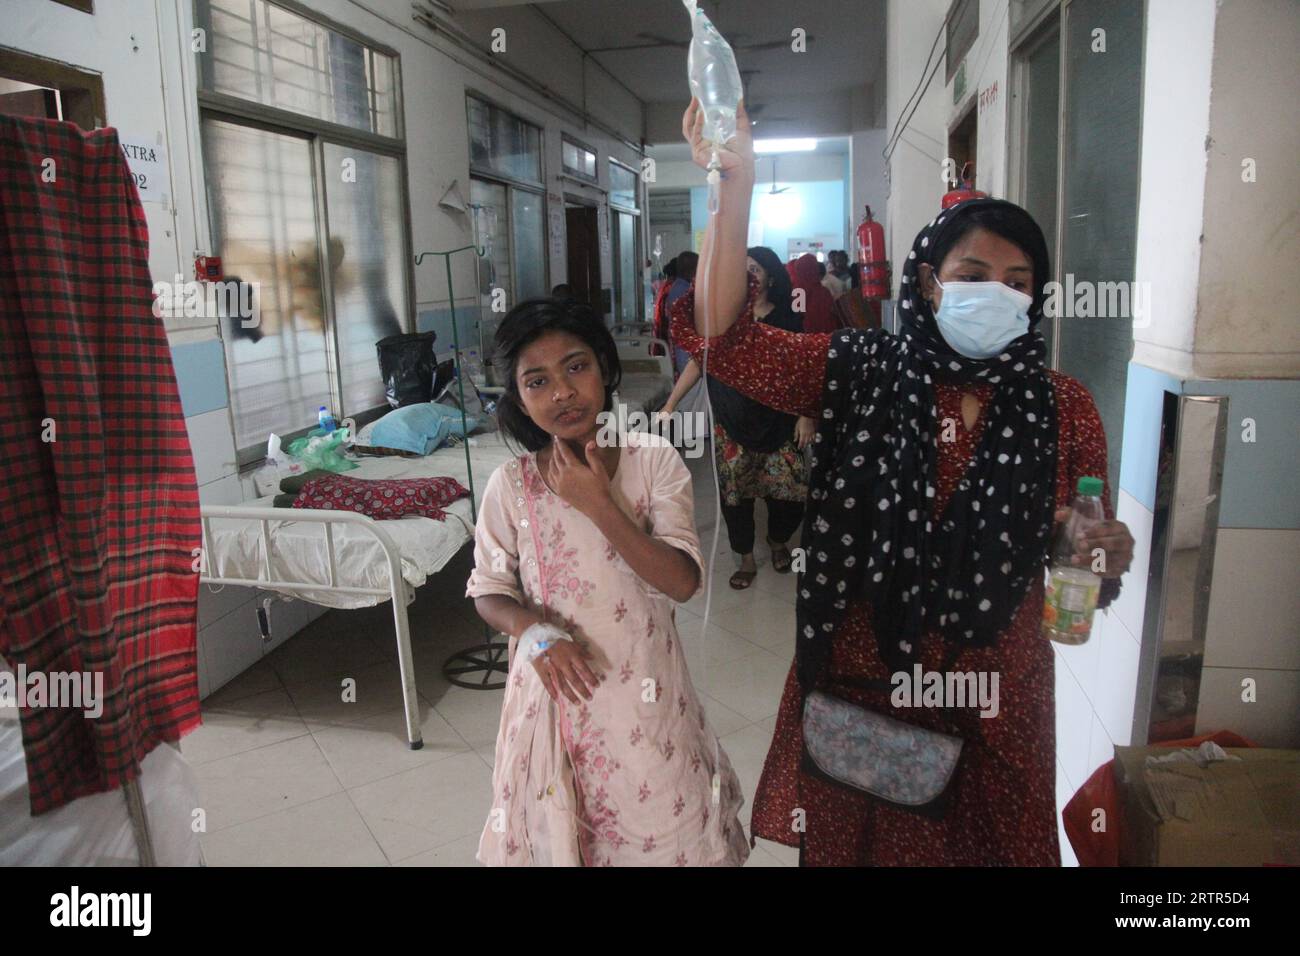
(1070, 601)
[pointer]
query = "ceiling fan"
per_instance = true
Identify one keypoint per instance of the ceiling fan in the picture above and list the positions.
(774, 191)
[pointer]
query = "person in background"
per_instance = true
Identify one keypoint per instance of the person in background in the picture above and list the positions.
(660, 313)
(851, 311)
(759, 451)
(686, 264)
(562, 292)
(817, 300)
(837, 276)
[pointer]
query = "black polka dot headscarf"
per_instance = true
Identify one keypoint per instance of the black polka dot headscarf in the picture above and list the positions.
(870, 527)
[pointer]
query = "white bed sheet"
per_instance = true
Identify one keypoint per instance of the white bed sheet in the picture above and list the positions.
(95, 830)
(299, 547)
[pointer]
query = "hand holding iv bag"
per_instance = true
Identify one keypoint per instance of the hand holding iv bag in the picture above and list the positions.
(715, 82)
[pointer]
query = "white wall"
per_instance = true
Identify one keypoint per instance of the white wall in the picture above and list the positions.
(1175, 124)
(1246, 316)
(914, 171)
(869, 186)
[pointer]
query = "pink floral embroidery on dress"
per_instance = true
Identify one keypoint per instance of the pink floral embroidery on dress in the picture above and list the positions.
(679, 805)
(680, 860)
(593, 766)
(643, 794)
(649, 844)
(625, 672)
(620, 610)
(636, 735)
(561, 565)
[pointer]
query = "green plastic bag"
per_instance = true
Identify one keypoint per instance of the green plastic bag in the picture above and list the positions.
(318, 450)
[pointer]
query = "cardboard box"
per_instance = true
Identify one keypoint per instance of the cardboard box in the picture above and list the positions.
(1235, 812)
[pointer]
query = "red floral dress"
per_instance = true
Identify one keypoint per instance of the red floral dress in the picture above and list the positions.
(1003, 806)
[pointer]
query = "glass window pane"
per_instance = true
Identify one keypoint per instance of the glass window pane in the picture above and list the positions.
(622, 186)
(265, 53)
(1100, 181)
(264, 218)
(527, 231)
(503, 143)
(368, 261)
(578, 160)
(625, 270)
(491, 226)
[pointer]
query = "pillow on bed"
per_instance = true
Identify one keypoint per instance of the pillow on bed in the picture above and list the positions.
(419, 428)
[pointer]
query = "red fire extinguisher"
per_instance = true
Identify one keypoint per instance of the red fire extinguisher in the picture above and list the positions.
(871, 259)
(966, 191)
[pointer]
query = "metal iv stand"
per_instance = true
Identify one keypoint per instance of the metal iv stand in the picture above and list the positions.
(490, 657)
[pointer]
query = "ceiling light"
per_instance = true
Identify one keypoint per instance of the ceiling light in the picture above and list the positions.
(784, 145)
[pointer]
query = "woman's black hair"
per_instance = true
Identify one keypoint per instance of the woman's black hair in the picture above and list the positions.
(855, 275)
(523, 325)
(686, 265)
(781, 290)
(670, 268)
(1011, 223)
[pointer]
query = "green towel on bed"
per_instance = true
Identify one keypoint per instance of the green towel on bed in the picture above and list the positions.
(284, 501)
(293, 484)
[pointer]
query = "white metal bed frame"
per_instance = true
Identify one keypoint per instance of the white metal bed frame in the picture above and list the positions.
(398, 591)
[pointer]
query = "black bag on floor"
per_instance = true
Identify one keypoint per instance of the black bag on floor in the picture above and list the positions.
(406, 364)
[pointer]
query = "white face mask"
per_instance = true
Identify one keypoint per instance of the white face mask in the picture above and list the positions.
(980, 319)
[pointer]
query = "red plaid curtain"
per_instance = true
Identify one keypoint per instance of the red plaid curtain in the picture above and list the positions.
(98, 526)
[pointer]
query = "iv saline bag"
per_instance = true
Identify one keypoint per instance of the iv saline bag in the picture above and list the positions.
(715, 82)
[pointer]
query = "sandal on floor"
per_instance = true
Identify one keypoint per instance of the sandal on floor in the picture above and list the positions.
(781, 559)
(742, 579)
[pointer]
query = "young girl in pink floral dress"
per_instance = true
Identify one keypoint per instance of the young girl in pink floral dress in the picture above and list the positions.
(583, 546)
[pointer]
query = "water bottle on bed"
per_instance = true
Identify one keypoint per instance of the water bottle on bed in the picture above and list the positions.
(325, 418)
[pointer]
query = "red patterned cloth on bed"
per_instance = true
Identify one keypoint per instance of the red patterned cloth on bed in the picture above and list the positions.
(381, 499)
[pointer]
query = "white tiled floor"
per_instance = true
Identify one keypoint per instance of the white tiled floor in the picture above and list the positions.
(290, 775)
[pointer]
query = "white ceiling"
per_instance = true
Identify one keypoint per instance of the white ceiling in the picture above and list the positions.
(644, 44)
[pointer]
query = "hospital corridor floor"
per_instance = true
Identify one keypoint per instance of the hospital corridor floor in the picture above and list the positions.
(290, 775)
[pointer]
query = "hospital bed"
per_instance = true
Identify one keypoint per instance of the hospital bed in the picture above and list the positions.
(340, 559)
(647, 378)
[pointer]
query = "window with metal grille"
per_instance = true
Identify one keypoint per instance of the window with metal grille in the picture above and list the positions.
(306, 180)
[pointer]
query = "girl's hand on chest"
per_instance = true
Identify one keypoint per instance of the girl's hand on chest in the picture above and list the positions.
(583, 485)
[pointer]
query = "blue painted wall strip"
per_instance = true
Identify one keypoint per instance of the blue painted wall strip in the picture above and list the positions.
(1259, 476)
(1143, 407)
(201, 376)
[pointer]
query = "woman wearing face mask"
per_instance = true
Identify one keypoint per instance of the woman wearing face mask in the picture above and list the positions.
(941, 457)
